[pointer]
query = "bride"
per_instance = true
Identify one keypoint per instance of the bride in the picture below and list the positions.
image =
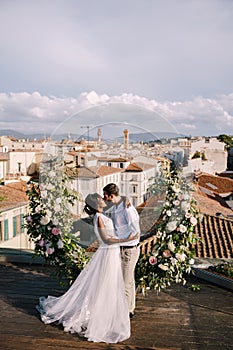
(95, 305)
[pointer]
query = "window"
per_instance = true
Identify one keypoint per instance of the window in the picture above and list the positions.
(134, 177)
(22, 223)
(19, 167)
(121, 165)
(1, 226)
(109, 164)
(6, 230)
(14, 226)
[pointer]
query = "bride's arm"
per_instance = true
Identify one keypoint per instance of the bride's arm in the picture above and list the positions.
(108, 239)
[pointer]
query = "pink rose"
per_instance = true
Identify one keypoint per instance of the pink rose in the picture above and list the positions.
(29, 218)
(193, 220)
(152, 260)
(55, 231)
(166, 253)
(50, 251)
(41, 243)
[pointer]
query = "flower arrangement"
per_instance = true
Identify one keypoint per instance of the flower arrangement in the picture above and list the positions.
(50, 220)
(172, 255)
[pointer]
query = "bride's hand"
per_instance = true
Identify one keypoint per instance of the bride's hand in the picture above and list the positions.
(132, 236)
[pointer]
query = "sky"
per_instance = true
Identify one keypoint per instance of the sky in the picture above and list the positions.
(165, 64)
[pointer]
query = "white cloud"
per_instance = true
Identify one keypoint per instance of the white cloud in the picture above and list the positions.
(199, 116)
(166, 65)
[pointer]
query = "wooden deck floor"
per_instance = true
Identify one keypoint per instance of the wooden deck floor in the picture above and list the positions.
(175, 319)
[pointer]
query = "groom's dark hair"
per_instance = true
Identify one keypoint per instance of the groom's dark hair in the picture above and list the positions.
(111, 189)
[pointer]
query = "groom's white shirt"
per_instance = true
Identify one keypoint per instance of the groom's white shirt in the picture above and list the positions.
(126, 221)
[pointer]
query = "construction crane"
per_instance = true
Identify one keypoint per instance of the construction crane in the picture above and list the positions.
(88, 128)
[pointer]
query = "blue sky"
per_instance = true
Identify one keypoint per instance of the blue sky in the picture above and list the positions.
(172, 57)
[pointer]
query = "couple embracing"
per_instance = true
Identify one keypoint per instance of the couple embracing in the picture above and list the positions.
(101, 301)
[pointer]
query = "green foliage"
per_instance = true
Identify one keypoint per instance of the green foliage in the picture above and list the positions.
(203, 156)
(195, 287)
(172, 255)
(225, 269)
(3, 198)
(49, 223)
(227, 139)
(197, 154)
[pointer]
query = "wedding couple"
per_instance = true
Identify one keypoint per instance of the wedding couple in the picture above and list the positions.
(101, 301)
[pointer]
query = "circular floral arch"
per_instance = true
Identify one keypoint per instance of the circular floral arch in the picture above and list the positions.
(49, 223)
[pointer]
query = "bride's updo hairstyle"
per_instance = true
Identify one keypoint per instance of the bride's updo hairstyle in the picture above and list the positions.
(92, 203)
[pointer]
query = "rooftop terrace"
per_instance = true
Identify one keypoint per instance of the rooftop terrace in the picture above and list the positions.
(177, 318)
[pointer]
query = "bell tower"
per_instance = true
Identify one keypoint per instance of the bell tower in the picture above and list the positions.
(126, 139)
(99, 135)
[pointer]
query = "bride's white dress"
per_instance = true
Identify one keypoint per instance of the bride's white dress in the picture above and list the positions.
(95, 305)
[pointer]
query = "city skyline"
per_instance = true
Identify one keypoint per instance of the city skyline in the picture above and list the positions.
(172, 59)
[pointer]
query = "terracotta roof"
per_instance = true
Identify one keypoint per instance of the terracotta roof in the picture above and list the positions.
(105, 170)
(82, 171)
(133, 167)
(211, 203)
(216, 184)
(216, 235)
(13, 195)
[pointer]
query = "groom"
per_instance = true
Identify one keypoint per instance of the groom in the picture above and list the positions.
(126, 220)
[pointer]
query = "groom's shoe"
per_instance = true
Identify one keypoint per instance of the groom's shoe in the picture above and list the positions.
(131, 314)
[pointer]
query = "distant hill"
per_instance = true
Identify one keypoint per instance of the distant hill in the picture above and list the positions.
(153, 136)
(12, 133)
(139, 137)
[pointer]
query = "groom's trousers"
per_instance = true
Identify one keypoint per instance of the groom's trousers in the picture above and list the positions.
(129, 258)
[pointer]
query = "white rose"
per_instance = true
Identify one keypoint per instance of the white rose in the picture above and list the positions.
(57, 207)
(48, 213)
(168, 212)
(171, 226)
(58, 200)
(50, 187)
(191, 261)
(44, 194)
(55, 221)
(193, 220)
(182, 228)
(60, 244)
(52, 174)
(173, 261)
(185, 206)
(171, 246)
(44, 220)
(180, 257)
